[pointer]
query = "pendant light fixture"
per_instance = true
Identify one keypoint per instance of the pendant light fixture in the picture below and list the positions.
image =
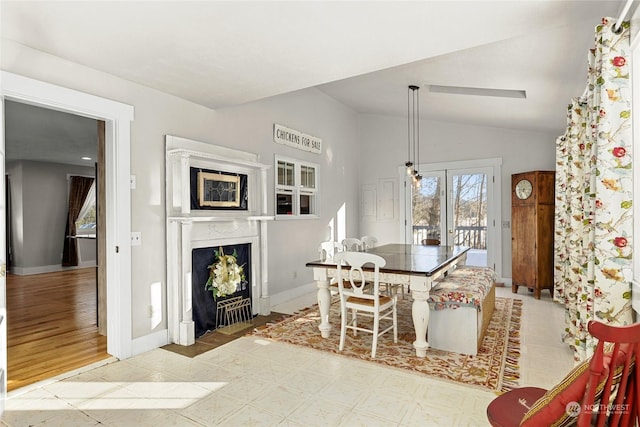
(413, 133)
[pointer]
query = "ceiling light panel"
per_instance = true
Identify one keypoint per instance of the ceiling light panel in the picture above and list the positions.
(478, 91)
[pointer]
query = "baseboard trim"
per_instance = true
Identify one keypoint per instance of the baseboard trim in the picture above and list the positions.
(149, 342)
(293, 293)
(27, 271)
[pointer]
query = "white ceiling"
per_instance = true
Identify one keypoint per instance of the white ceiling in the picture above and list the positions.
(362, 53)
(33, 133)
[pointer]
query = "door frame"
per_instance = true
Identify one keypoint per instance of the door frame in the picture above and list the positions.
(3, 270)
(494, 201)
(117, 117)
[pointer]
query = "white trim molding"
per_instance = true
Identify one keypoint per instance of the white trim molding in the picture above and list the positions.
(117, 117)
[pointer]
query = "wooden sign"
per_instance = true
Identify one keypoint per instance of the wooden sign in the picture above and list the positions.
(293, 138)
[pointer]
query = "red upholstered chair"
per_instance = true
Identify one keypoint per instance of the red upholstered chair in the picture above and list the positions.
(602, 390)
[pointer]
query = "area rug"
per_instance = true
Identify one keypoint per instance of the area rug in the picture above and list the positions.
(495, 367)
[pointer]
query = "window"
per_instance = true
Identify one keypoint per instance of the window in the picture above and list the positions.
(296, 188)
(86, 223)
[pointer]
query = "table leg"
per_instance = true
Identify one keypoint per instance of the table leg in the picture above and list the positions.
(324, 304)
(420, 314)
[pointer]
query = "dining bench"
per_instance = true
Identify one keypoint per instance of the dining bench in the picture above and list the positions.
(460, 308)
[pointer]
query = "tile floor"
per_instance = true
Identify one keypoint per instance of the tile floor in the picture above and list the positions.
(250, 382)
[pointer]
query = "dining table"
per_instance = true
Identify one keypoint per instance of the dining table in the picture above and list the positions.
(416, 267)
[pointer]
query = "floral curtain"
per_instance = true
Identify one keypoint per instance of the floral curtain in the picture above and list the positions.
(593, 229)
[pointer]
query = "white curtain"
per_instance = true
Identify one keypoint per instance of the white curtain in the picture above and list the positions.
(89, 201)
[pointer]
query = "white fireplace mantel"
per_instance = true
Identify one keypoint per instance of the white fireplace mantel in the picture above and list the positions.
(188, 230)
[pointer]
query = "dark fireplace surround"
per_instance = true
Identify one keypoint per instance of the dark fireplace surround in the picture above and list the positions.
(205, 306)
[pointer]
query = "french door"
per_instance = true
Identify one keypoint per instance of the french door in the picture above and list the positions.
(454, 206)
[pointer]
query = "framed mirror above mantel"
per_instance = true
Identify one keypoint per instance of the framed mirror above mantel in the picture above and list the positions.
(194, 165)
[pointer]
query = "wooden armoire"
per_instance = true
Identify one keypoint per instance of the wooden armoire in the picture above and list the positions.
(532, 222)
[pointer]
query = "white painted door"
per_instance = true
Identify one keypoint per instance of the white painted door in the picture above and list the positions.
(469, 211)
(429, 210)
(3, 270)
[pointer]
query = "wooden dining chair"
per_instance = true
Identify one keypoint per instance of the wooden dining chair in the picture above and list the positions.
(358, 300)
(602, 390)
(431, 242)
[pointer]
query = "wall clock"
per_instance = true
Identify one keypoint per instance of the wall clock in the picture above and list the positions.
(523, 189)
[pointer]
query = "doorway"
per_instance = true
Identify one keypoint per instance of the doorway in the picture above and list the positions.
(117, 118)
(455, 204)
(45, 150)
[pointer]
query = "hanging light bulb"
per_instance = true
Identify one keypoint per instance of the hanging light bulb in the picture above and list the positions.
(409, 166)
(413, 132)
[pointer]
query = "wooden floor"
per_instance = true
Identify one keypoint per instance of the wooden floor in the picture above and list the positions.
(51, 325)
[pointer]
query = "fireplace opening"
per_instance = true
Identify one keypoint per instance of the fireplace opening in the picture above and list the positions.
(206, 314)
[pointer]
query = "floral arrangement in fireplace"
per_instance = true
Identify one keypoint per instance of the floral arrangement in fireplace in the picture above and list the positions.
(224, 275)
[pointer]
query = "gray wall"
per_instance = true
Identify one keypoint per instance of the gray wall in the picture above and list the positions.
(39, 213)
(294, 242)
(249, 128)
(386, 150)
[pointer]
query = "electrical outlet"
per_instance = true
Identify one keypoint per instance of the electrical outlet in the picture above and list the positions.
(295, 274)
(136, 238)
(506, 224)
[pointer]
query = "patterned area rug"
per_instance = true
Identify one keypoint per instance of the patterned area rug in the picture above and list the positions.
(495, 367)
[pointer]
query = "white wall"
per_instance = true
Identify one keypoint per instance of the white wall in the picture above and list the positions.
(155, 115)
(249, 127)
(384, 150)
(39, 194)
(294, 242)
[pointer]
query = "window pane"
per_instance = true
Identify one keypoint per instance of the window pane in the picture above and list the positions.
(285, 173)
(86, 223)
(284, 204)
(307, 204)
(426, 210)
(308, 176)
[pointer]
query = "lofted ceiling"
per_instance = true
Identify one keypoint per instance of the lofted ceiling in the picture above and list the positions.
(362, 53)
